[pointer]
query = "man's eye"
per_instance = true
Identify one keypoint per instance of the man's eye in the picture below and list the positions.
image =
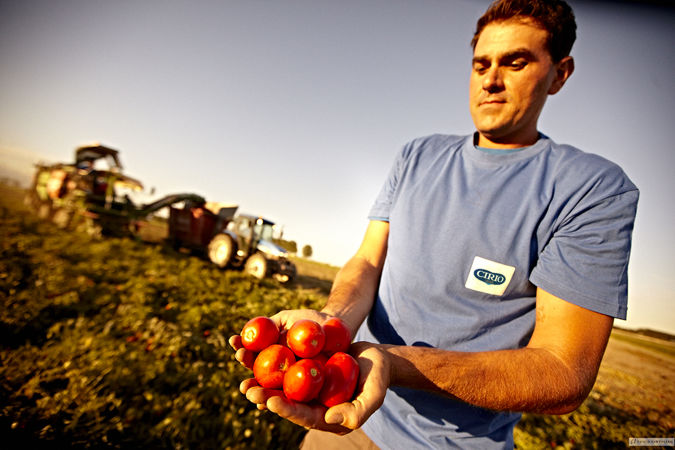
(479, 68)
(517, 65)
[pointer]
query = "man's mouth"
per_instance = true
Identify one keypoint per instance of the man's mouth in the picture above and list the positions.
(492, 101)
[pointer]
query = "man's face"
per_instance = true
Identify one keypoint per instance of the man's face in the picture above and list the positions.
(511, 76)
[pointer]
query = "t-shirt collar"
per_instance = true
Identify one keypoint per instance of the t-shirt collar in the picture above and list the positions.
(497, 156)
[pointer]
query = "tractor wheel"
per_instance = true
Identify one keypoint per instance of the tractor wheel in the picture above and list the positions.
(257, 266)
(221, 248)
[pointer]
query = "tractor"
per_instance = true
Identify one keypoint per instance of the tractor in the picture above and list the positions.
(242, 241)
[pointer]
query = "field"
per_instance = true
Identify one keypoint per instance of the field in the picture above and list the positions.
(121, 343)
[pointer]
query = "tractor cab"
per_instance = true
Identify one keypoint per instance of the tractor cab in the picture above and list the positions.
(250, 231)
(101, 175)
(87, 156)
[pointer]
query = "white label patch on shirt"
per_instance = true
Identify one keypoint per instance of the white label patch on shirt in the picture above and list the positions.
(488, 276)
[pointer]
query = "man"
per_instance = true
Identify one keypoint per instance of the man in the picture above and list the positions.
(492, 267)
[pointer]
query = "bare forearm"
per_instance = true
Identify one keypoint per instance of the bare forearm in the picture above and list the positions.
(353, 292)
(527, 380)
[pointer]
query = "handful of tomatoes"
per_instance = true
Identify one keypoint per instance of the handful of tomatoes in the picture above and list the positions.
(308, 362)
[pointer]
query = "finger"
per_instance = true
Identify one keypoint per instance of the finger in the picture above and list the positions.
(305, 415)
(245, 357)
(235, 342)
(285, 319)
(247, 384)
(259, 395)
(280, 319)
(298, 413)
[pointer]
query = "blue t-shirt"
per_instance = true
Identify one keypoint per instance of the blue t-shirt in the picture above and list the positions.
(471, 236)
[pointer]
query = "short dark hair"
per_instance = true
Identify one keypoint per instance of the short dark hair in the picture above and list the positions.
(554, 16)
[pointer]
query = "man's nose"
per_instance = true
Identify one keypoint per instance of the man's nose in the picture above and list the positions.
(492, 81)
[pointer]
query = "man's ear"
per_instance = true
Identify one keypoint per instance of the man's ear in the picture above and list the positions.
(563, 71)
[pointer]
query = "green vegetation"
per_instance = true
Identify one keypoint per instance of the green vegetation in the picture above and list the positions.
(123, 344)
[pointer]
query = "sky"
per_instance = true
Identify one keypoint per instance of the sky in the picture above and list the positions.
(295, 109)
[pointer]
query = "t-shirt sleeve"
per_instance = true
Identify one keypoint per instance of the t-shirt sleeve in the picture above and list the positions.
(385, 199)
(586, 260)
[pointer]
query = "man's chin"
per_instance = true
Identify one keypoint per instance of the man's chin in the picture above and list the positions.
(493, 126)
(495, 139)
(492, 136)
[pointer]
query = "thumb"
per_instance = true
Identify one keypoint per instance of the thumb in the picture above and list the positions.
(334, 416)
(351, 415)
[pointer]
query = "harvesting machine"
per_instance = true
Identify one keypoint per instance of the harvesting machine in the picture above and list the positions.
(88, 194)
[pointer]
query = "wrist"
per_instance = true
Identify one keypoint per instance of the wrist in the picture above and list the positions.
(379, 357)
(389, 354)
(343, 316)
(327, 310)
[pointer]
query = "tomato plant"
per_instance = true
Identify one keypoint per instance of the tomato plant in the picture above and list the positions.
(338, 336)
(306, 338)
(271, 364)
(259, 333)
(341, 376)
(303, 380)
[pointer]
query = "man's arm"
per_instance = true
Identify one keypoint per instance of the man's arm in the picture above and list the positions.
(553, 374)
(355, 285)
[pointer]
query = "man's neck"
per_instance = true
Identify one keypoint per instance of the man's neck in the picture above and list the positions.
(481, 140)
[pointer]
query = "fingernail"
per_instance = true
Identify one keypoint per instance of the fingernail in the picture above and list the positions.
(334, 418)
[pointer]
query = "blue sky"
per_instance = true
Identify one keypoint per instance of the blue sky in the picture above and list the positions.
(295, 109)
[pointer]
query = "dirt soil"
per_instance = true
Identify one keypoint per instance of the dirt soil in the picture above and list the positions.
(637, 375)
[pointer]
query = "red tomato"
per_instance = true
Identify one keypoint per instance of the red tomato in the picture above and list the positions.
(259, 333)
(306, 338)
(337, 334)
(271, 364)
(341, 376)
(322, 358)
(303, 380)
